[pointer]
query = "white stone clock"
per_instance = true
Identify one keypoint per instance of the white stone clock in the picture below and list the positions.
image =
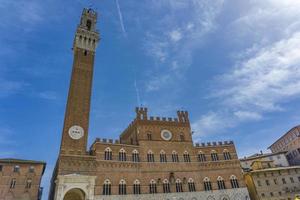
(166, 135)
(76, 132)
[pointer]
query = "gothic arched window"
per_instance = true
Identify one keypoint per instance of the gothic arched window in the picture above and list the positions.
(201, 156)
(108, 154)
(186, 157)
(150, 156)
(178, 185)
(221, 183)
(214, 156)
(207, 184)
(163, 156)
(28, 183)
(122, 187)
(149, 136)
(13, 183)
(152, 187)
(122, 155)
(135, 156)
(89, 24)
(226, 154)
(175, 156)
(191, 185)
(181, 137)
(166, 186)
(106, 187)
(136, 187)
(234, 182)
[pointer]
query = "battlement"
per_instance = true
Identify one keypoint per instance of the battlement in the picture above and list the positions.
(142, 118)
(90, 12)
(142, 114)
(214, 144)
(106, 140)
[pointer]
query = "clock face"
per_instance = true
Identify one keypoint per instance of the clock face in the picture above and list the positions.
(166, 134)
(76, 132)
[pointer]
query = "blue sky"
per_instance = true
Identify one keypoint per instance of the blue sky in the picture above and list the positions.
(234, 65)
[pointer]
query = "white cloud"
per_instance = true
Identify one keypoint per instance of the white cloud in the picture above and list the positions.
(269, 77)
(265, 75)
(174, 47)
(175, 35)
(121, 18)
(21, 13)
(156, 82)
(9, 87)
(211, 123)
(247, 115)
(49, 95)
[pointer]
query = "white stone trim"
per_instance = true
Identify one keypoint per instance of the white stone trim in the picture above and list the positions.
(64, 183)
(231, 194)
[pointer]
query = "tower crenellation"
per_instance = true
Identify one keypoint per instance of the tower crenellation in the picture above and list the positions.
(183, 116)
(141, 113)
(87, 36)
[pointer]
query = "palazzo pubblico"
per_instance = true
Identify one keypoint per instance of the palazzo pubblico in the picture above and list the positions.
(154, 157)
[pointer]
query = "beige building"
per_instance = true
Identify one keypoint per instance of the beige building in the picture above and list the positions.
(20, 179)
(279, 159)
(289, 142)
(267, 182)
(154, 157)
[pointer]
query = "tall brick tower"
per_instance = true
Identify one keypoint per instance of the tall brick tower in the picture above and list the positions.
(76, 122)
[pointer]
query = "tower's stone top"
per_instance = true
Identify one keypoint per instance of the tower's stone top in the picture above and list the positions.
(87, 36)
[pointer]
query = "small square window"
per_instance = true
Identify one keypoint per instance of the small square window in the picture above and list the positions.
(31, 169)
(17, 168)
(149, 136)
(267, 182)
(181, 137)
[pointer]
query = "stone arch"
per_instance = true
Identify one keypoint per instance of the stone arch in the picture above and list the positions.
(152, 181)
(108, 149)
(135, 151)
(150, 151)
(74, 194)
(191, 180)
(224, 197)
(165, 181)
(137, 182)
(122, 150)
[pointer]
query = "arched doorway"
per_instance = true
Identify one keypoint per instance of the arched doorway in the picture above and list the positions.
(75, 194)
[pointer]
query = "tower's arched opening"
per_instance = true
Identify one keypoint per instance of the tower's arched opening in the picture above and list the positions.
(75, 194)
